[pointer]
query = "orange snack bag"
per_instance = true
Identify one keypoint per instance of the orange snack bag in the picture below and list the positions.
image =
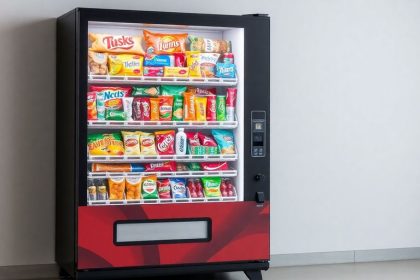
(163, 43)
(200, 108)
(154, 109)
(116, 188)
(165, 107)
(189, 109)
(133, 187)
(116, 43)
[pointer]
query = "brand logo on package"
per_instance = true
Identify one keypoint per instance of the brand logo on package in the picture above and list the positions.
(118, 42)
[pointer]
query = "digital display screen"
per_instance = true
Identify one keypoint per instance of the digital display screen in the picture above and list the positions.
(258, 139)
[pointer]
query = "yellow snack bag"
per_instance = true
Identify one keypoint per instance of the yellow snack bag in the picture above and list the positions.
(147, 144)
(116, 188)
(133, 187)
(200, 108)
(193, 63)
(131, 142)
(105, 144)
(125, 64)
(175, 71)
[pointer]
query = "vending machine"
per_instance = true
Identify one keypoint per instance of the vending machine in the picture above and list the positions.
(163, 147)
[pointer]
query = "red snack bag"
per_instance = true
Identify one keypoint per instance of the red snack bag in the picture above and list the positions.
(230, 187)
(145, 108)
(211, 108)
(179, 59)
(192, 188)
(141, 109)
(165, 142)
(205, 91)
(198, 188)
(164, 188)
(214, 166)
(224, 188)
(206, 140)
(166, 166)
(192, 138)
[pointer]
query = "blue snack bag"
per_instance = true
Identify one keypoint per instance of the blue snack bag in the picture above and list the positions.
(225, 70)
(178, 187)
(157, 60)
(225, 140)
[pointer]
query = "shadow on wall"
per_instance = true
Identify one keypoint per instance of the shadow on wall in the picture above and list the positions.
(27, 114)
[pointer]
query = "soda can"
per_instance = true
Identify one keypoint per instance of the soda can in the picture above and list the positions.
(92, 192)
(220, 107)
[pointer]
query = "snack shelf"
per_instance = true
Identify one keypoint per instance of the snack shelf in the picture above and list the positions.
(163, 201)
(161, 124)
(177, 174)
(154, 158)
(135, 80)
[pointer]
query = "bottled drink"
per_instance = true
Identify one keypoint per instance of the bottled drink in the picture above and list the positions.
(181, 142)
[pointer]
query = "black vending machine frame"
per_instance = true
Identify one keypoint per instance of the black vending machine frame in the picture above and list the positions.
(71, 113)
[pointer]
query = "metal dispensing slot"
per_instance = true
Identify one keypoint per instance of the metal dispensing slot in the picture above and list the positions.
(258, 137)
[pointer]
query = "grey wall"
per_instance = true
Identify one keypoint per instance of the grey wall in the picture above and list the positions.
(345, 99)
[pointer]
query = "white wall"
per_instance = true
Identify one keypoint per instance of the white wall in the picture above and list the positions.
(345, 98)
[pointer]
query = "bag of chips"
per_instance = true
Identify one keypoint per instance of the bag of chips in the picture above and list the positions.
(225, 70)
(105, 144)
(151, 91)
(173, 90)
(193, 63)
(200, 108)
(178, 187)
(225, 140)
(153, 71)
(128, 108)
(133, 188)
(164, 189)
(209, 45)
(110, 99)
(131, 143)
(91, 106)
(149, 187)
(208, 64)
(97, 63)
(189, 106)
(116, 188)
(175, 71)
(147, 144)
(211, 186)
(162, 43)
(158, 60)
(177, 109)
(166, 166)
(154, 109)
(116, 43)
(209, 144)
(125, 65)
(165, 142)
(141, 109)
(165, 108)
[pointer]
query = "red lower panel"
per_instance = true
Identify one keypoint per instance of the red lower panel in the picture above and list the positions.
(240, 232)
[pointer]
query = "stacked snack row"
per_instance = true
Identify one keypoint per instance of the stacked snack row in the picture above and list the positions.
(167, 55)
(165, 166)
(133, 143)
(160, 103)
(149, 187)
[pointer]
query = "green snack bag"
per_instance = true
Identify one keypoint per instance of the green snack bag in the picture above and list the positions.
(194, 166)
(149, 187)
(173, 90)
(212, 151)
(198, 150)
(115, 115)
(152, 91)
(178, 108)
(220, 107)
(211, 186)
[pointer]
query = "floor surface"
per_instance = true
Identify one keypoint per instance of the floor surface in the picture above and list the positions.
(399, 270)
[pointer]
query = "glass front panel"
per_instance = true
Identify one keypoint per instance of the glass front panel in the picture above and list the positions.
(165, 114)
